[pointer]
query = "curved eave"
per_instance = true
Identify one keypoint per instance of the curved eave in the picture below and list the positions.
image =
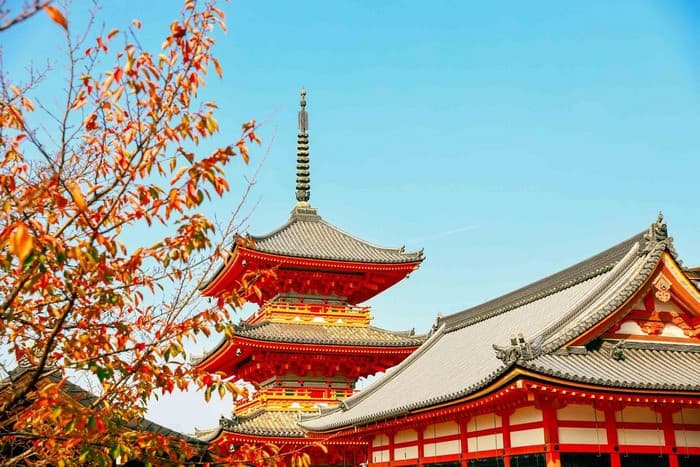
(243, 259)
(224, 359)
(309, 226)
(514, 379)
(226, 436)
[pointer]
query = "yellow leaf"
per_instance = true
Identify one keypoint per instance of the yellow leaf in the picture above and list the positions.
(21, 243)
(56, 16)
(321, 447)
(212, 124)
(77, 195)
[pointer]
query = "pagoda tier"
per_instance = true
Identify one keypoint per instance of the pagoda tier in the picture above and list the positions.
(261, 350)
(282, 429)
(311, 256)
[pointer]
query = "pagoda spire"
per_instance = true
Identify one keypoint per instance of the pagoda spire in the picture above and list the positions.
(303, 177)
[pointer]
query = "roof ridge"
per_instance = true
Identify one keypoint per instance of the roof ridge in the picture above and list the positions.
(404, 333)
(594, 293)
(543, 287)
(632, 285)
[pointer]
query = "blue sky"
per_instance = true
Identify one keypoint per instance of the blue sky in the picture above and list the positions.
(508, 139)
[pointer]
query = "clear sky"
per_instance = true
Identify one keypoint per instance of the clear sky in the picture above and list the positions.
(508, 139)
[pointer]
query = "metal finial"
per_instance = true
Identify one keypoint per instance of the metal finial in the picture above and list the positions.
(303, 116)
(303, 193)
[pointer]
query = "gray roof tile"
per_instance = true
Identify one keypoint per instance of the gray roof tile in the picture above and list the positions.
(660, 368)
(307, 235)
(322, 334)
(265, 423)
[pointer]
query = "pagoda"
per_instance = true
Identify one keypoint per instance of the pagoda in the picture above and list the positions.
(310, 340)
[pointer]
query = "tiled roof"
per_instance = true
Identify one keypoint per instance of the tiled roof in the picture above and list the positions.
(264, 423)
(471, 349)
(663, 367)
(86, 399)
(549, 285)
(321, 334)
(452, 363)
(307, 235)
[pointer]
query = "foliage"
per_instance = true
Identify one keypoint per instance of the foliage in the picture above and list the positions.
(80, 291)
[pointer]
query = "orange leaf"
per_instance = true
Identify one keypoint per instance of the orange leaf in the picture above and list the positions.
(217, 66)
(21, 242)
(56, 16)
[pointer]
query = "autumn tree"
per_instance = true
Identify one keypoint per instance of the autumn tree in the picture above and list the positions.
(80, 291)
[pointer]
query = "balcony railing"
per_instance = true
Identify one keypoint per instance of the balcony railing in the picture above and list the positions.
(313, 313)
(293, 399)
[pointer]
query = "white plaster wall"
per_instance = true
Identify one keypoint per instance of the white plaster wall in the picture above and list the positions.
(441, 429)
(441, 449)
(380, 440)
(571, 435)
(485, 442)
(484, 422)
(525, 415)
(671, 330)
(632, 328)
(527, 437)
(687, 438)
(637, 437)
(408, 452)
(405, 436)
(380, 456)
(687, 416)
(637, 414)
(580, 412)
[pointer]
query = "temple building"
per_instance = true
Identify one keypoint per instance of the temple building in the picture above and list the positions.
(311, 338)
(597, 365)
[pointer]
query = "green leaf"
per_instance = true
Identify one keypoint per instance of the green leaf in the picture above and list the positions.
(115, 452)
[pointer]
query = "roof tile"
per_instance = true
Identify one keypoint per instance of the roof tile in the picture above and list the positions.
(321, 334)
(307, 235)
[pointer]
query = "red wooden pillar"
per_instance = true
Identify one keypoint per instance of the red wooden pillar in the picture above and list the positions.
(611, 433)
(391, 447)
(505, 434)
(420, 429)
(551, 434)
(464, 445)
(669, 435)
